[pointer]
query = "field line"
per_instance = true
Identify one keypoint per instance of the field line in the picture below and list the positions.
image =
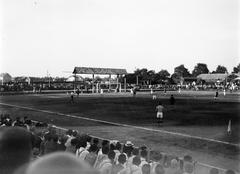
(124, 125)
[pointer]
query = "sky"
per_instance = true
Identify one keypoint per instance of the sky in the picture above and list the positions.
(54, 36)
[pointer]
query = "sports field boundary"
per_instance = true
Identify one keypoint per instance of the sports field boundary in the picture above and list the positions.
(123, 125)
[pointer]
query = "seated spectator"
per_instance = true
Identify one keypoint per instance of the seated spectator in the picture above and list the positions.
(104, 143)
(156, 158)
(127, 148)
(15, 149)
(135, 152)
(174, 167)
(134, 168)
(120, 165)
(188, 169)
(213, 171)
(146, 169)
(117, 151)
(72, 147)
(229, 172)
(96, 141)
(159, 169)
(102, 156)
(59, 163)
(61, 143)
(105, 167)
(18, 122)
(81, 151)
(92, 155)
(143, 157)
(51, 144)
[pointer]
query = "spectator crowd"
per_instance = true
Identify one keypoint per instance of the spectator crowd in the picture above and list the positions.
(30, 147)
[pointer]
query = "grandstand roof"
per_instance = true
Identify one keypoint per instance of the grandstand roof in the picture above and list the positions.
(89, 70)
(213, 77)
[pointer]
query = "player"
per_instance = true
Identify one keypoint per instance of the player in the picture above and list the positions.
(216, 95)
(72, 100)
(134, 92)
(172, 100)
(78, 92)
(159, 109)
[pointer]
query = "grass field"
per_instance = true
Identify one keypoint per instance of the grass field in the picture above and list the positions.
(195, 125)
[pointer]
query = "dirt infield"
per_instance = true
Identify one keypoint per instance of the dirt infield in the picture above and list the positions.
(193, 116)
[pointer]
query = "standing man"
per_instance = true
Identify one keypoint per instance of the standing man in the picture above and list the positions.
(159, 109)
(71, 100)
(78, 92)
(216, 95)
(172, 100)
(134, 92)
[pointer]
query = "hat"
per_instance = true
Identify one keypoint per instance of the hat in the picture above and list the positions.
(129, 143)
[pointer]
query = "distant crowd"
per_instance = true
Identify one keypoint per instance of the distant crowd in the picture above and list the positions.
(30, 147)
(86, 89)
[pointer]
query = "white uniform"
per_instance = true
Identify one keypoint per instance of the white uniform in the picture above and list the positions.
(159, 109)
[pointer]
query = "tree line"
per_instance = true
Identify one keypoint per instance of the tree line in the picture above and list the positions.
(163, 76)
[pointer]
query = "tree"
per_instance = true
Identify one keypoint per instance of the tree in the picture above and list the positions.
(151, 76)
(180, 72)
(161, 76)
(200, 68)
(220, 69)
(236, 69)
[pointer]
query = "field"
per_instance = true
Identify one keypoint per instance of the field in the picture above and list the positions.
(195, 125)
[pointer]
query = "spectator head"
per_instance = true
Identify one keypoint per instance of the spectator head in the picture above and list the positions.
(159, 169)
(187, 158)
(128, 143)
(63, 139)
(111, 155)
(127, 148)
(88, 138)
(112, 146)
(155, 156)
(144, 147)
(15, 148)
(95, 141)
(105, 143)
(81, 143)
(105, 150)
(93, 148)
(188, 168)
(136, 160)
(144, 153)
(213, 171)
(160, 103)
(229, 172)
(135, 151)
(174, 164)
(122, 158)
(74, 133)
(118, 146)
(146, 169)
(59, 163)
(74, 142)
(69, 132)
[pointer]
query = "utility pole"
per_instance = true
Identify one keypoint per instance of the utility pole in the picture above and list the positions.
(48, 75)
